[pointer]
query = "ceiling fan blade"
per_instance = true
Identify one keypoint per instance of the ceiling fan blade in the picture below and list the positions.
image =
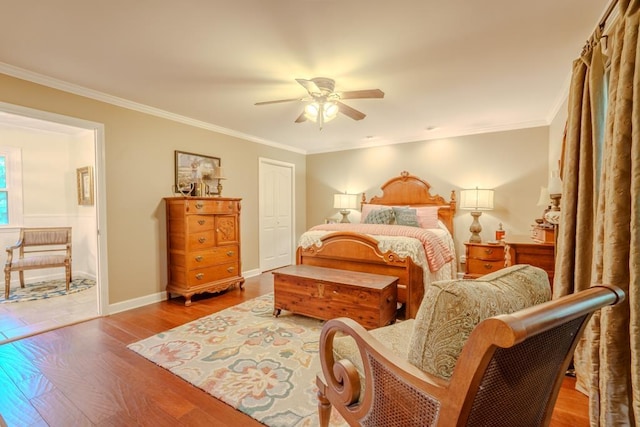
(310, 86)
(359, 94)
(351, 112)
(301, 118)
(279, 101)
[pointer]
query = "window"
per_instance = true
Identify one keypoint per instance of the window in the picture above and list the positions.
(10, 186)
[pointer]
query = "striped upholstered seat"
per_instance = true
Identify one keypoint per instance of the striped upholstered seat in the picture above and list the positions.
(38, 248)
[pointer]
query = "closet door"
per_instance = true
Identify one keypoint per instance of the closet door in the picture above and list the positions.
(276, 214)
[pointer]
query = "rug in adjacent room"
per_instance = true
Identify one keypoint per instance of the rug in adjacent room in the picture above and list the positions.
(260, 365)
(46, 289)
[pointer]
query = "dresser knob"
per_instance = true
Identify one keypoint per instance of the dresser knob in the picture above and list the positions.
(230, 253)
(199, 205)
(230, 269)
(488, 266)
(488, 251)
(202, 239)
(201, 221)
(199, 258)
(199, 276)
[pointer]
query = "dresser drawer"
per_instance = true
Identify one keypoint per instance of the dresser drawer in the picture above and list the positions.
(212, 206)
(210, 274)
(200, 241)
(198, 223)
(215, 256)
(478, 266)
(488, 253)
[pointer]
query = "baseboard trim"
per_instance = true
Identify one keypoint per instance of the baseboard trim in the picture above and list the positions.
(157, 297)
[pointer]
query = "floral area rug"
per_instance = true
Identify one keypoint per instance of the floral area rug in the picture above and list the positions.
(47, 289)
(260, 365)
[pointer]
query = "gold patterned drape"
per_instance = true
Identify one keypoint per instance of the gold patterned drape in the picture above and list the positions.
(599, 239)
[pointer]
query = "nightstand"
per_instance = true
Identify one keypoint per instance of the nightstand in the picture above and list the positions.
(483, 258)
(527, 252)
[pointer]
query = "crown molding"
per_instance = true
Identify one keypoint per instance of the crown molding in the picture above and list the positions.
(135, 106)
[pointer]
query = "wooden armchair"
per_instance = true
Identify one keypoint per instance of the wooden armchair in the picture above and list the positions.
(508, 372)
(38, 248)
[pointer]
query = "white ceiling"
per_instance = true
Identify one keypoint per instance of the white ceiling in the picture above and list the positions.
(459, 66)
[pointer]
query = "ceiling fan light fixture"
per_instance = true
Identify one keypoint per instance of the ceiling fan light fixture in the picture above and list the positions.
(330, 110)
(319, 112)
(311, 111)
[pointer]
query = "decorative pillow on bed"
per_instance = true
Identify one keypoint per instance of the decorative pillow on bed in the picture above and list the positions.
(406, 216)
(428, 216)
(367, 208)
(379, 216)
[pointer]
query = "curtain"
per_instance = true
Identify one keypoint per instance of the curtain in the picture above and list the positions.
(599, 239)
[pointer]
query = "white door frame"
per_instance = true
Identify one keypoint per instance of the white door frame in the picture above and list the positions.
(262, 161)
(100, 196)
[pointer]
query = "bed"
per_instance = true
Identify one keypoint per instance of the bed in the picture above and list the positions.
(359, 247)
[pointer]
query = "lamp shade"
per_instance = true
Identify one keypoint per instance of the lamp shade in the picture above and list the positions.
(543, 200)
(555, 184)
(345, 201)
(218, 173)
(476, 199)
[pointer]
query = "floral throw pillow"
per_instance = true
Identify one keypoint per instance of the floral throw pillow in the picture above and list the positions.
(379, 216)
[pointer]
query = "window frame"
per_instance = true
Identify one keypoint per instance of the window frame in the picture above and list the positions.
(13, 170)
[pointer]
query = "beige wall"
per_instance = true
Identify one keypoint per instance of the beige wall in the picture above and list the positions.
(139, 158)
(514, 163)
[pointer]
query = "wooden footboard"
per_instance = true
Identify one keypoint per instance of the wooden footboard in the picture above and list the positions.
(357, 252)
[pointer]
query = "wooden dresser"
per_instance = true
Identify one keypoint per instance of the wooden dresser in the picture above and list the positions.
(527, 252)
(203, 245)
(483, 258)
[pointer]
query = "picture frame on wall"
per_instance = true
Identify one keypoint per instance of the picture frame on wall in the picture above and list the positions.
(192, 169)
(84, 177)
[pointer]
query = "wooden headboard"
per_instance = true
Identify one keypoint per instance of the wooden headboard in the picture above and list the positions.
(409, 190)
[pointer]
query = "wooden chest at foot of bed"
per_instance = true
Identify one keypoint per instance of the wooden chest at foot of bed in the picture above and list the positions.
(326, 293)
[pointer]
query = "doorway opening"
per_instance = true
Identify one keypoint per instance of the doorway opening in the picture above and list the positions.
(53, 149)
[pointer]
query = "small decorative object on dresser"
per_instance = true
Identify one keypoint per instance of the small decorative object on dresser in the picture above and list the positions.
(543, 234)
(483, 258)
(203, 245)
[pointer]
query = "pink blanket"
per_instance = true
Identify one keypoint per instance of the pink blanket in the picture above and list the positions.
(437, 252)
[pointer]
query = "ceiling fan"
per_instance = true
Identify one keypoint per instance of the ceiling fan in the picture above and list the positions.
(324, 104)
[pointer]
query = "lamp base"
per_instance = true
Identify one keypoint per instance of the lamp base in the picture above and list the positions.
(475, 228)
(345, 216)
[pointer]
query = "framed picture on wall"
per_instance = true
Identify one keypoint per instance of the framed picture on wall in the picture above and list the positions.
(84, 177)
(191, 169)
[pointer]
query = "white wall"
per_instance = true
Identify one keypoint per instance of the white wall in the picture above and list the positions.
(49, 162)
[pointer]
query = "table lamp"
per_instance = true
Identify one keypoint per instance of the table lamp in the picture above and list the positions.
(476, 200)
(344, 202)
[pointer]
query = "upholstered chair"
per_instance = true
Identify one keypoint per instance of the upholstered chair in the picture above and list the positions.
(490, 351)
(39, 248)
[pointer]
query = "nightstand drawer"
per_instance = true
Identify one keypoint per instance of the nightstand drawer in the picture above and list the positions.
(484, 252)
(478, 266)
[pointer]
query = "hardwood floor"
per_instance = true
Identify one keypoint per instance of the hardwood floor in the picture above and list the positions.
(83, 375)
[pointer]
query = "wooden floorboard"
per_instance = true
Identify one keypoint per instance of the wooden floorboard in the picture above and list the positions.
(84, 375)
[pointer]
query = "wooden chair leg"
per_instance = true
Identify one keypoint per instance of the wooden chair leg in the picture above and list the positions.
(324, 409)
(68, 276)
(21, 274)
(7, 283)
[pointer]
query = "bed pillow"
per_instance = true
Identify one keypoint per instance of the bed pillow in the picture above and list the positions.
(428, 216)
(367, 208)
(379, 216)
(406, 216)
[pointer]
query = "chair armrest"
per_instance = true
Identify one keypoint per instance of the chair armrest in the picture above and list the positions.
(10, 250)
(341, 382)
